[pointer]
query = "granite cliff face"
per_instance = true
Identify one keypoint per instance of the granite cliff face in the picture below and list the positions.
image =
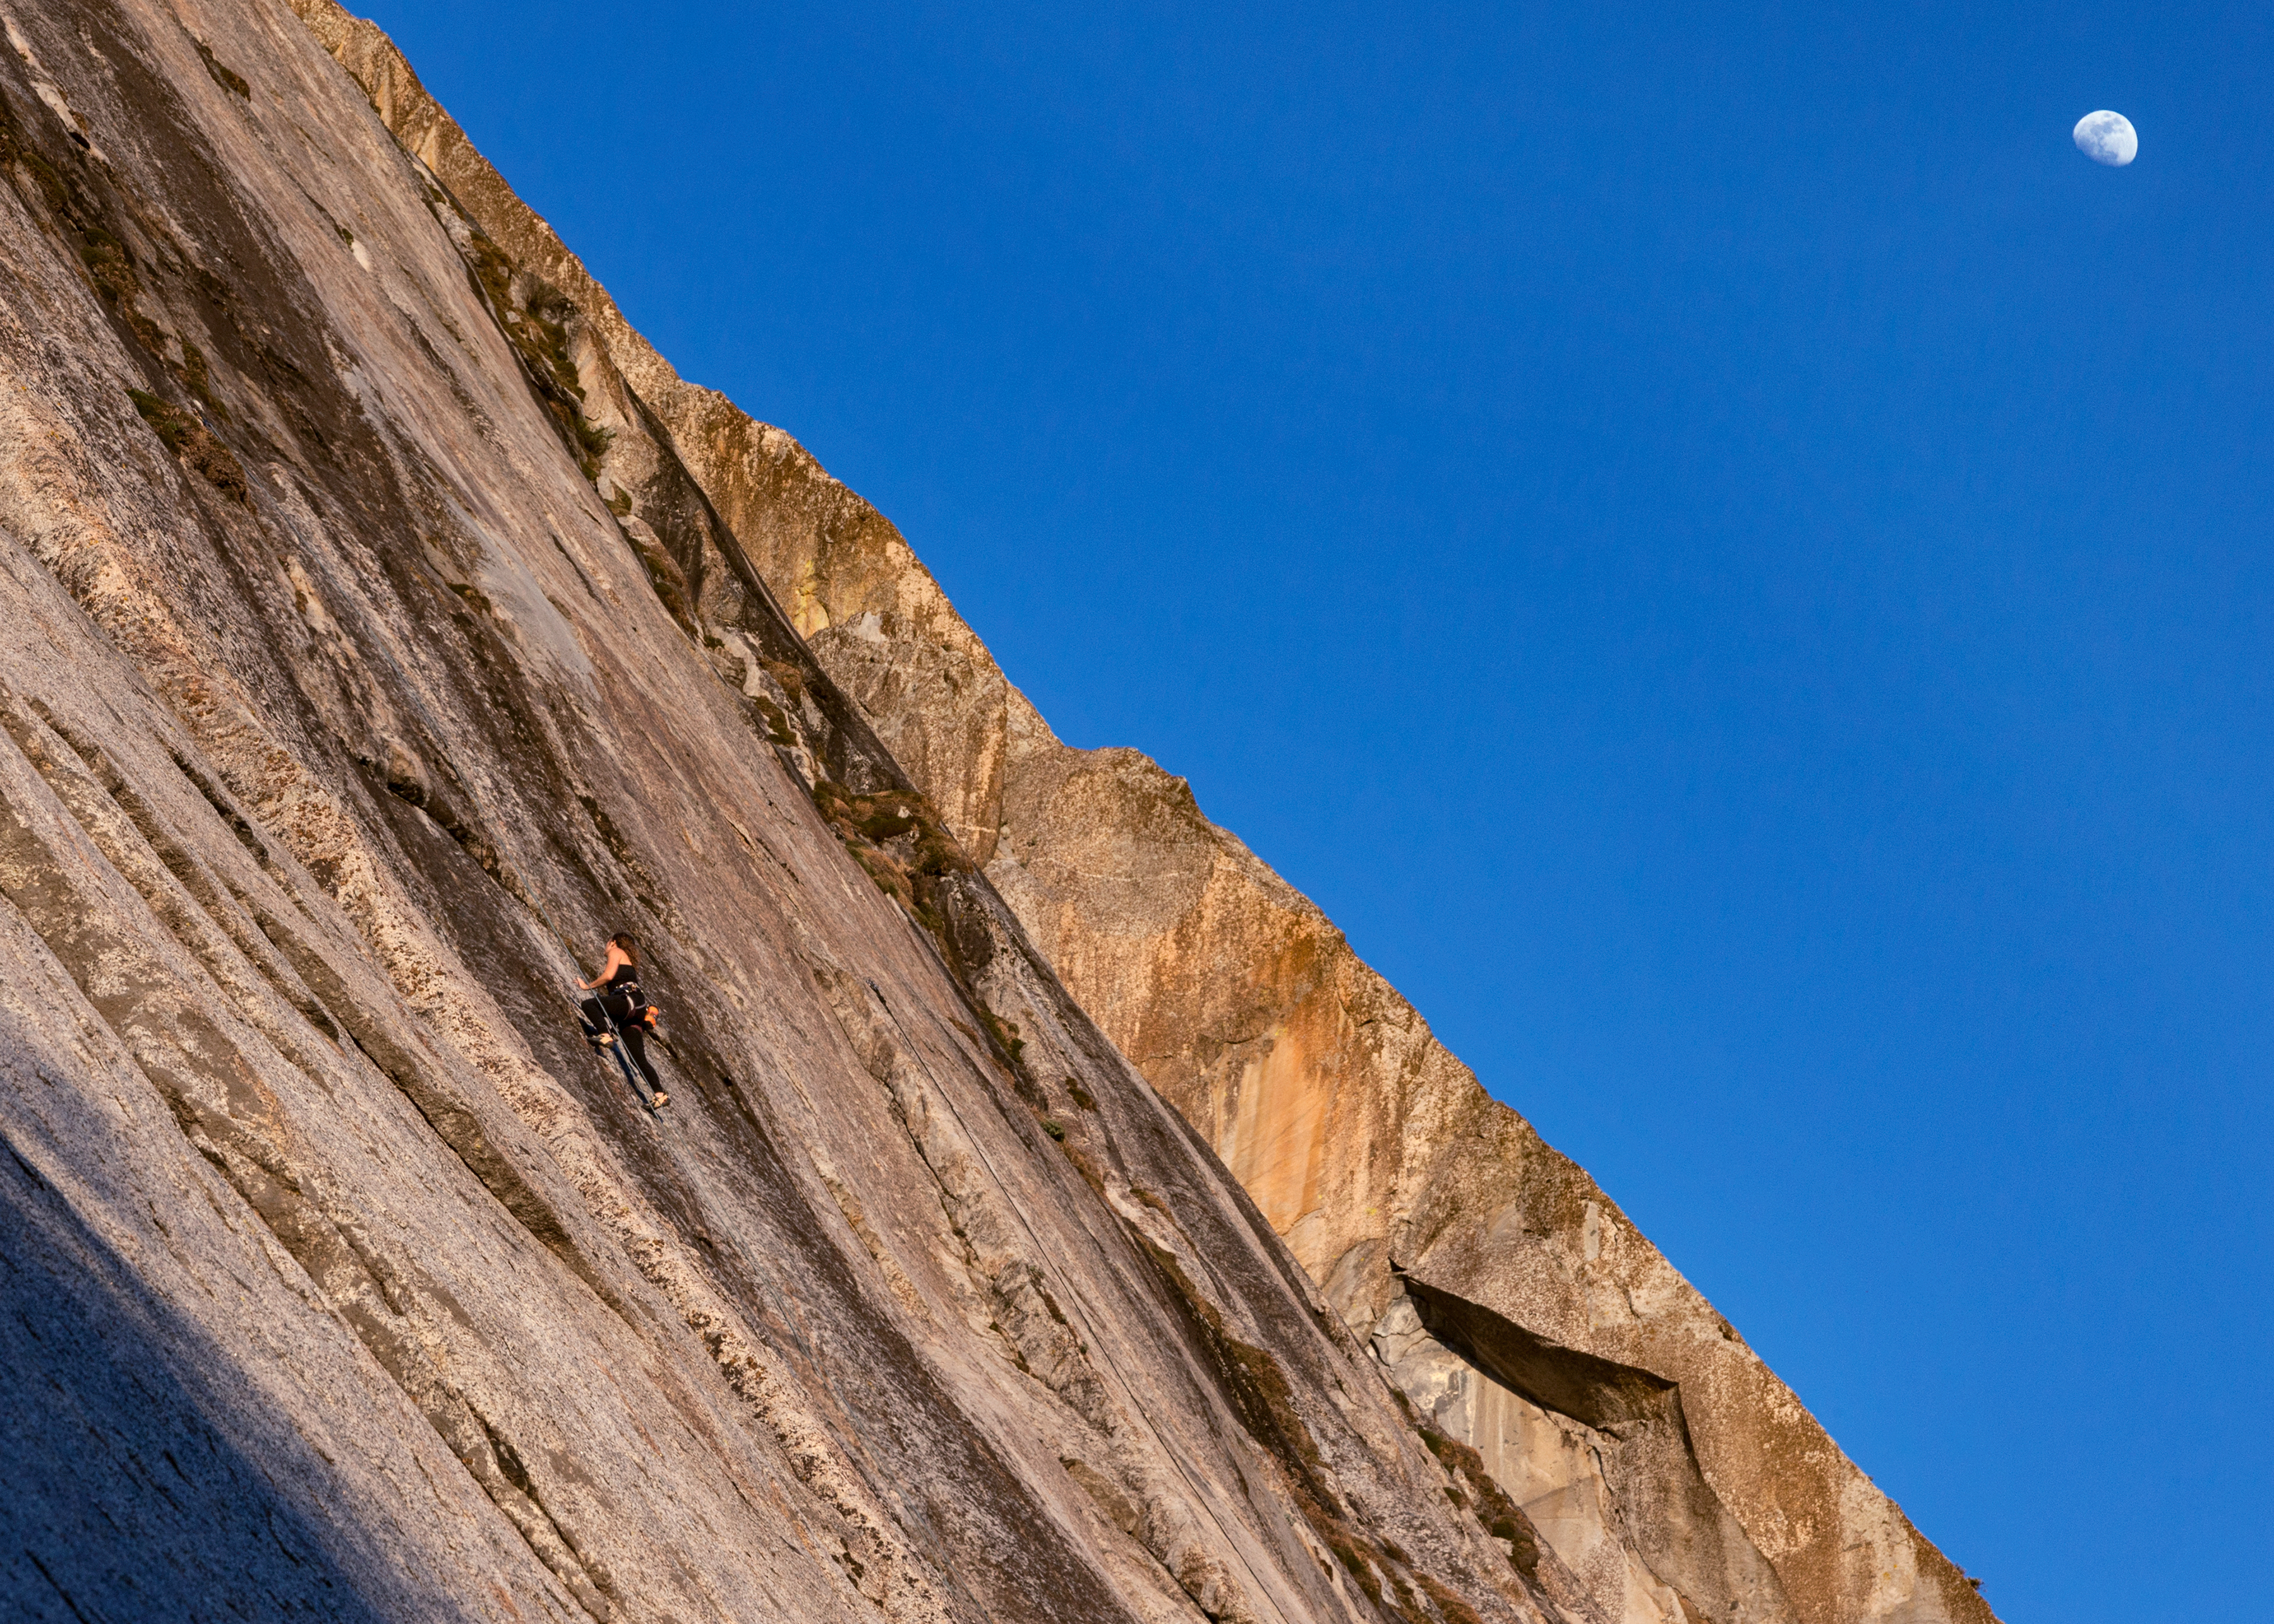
(1505, 1293)
(388, 622)
(345, 713)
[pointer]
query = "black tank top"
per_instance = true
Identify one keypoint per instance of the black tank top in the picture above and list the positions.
(625, 980)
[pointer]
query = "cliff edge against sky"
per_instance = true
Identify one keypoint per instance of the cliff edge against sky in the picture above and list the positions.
(390, 624)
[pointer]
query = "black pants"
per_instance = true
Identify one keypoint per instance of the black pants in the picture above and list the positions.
(620, 1009)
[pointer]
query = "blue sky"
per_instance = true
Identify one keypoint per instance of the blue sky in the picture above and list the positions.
(1727, 556)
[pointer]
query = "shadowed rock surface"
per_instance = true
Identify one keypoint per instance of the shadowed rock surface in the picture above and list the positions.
(1441, 1226)
(391, 620)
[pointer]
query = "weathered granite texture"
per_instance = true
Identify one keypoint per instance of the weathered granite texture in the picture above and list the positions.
(341, 714)
(1669, 1469)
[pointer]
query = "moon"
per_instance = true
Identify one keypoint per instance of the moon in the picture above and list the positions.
(2107, 137)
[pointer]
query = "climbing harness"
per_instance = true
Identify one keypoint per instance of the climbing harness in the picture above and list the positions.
(613, 1042)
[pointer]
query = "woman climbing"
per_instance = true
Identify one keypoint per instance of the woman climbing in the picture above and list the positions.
(622, 1006)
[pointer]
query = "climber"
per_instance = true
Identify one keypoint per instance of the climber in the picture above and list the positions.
(622, 1011)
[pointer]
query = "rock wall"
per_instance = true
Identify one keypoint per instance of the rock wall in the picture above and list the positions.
(372, 654)
(1669, 1469)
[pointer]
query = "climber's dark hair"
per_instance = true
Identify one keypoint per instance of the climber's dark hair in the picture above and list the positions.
(629, 942)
